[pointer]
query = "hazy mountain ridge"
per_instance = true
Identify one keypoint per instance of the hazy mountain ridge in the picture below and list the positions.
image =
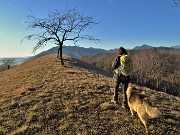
(176, 47)
(17, 60)
(44, 97)
(144, 46)
(77, 52)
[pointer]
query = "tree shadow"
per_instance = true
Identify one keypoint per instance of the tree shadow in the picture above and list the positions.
(81, 64)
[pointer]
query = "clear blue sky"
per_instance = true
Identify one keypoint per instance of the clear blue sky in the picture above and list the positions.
(127, 23)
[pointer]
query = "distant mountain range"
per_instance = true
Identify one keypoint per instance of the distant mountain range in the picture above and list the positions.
(77, 52)
(17, 60)
(176, 47)
(144, 46)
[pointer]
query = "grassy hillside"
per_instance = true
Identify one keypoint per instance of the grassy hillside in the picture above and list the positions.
(43, 97)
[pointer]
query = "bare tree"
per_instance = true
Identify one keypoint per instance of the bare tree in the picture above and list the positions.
(175, 3)
(60, 26)
(8, 62)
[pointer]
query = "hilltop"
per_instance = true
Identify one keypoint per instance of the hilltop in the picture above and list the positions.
(43, 97)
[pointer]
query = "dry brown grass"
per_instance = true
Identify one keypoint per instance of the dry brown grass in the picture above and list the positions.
(43, 97)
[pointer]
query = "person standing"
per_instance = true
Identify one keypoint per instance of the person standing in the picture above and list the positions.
(121, 76)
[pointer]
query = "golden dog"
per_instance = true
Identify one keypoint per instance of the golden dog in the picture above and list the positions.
(137, 103)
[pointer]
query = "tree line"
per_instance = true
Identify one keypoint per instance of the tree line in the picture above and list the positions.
(157, 69)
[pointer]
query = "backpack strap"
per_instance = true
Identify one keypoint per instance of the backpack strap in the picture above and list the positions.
(116, 63)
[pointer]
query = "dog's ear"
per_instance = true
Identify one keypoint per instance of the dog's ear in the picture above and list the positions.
(133, 86)
(130, 85)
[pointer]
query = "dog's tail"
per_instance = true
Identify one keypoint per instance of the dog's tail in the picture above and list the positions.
(153, 112)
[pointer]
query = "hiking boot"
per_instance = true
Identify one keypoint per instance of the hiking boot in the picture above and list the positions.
(125, 107)
(115, 101)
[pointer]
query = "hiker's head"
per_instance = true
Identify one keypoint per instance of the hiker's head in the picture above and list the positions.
(122, 51)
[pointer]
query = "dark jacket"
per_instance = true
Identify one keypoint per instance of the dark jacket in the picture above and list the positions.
(116, 62)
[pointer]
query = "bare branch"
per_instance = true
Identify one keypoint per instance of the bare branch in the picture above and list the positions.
(175, 3)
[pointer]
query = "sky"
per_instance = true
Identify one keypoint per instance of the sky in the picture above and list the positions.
(126, 23)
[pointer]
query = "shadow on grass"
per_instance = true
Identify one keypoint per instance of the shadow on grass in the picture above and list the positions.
(81, 64)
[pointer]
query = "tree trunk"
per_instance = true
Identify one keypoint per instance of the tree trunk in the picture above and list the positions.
(58, 54)
(62, 61)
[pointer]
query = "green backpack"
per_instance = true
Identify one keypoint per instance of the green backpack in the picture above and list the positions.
(126, 67)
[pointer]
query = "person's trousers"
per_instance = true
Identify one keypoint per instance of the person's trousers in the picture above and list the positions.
(125, 81)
